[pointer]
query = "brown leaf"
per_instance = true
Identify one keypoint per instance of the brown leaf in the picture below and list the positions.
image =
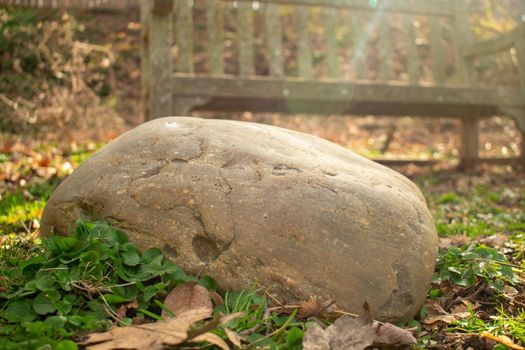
(216, 298)
(347, 333)
(172, 331)
(388, 335)
(212, 339)
(448, 318)
(344, 334)
(502, 340)
(156, 336)
(187, 296)
(315, 338)
(122, 310)
(356, 334)
(233, 337)
(310, 308)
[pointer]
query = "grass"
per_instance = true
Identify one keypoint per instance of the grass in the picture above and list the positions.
(481, 211)
(55, 290)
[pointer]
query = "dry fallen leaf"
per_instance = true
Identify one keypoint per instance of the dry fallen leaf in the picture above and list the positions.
(345, 333)
(388, 335)
(315, 338)
(233, 337)
(348, 333)
(122, 310)
(216, 297)
(156, 336)
(310, 308)
(148, 336)
(187, 296)
(212, 339)
(502, 339)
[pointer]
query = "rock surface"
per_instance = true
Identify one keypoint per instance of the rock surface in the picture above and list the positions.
(245, 202)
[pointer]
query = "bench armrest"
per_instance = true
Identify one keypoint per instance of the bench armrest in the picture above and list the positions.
(498, 44)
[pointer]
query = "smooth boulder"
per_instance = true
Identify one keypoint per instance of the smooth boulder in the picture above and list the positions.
(246, 202)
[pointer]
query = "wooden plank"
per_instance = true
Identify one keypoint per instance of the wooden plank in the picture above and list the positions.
(184, 33)
(419, 7)
(215, 26)
(463, 36)
(413, 58)
(275, 40)
(519, 44)
(386, 71)
(402, 162)
(360, 41)
(304, 54)
(332, 48)
(330, 97)
(502, 42)
(520, 15)
(245, 35)
(437, 54)
(469, 142)
(145, 61)
(160, 43)
(393, 92)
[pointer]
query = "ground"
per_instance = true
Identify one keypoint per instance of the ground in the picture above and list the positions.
(480, 216)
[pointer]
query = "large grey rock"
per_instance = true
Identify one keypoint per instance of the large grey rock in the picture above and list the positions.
(245, 202)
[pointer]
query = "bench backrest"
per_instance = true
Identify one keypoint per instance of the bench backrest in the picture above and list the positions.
(389, 40)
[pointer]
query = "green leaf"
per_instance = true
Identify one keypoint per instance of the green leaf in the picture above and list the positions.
(19, 311)
(43, 305)
(164, 308)
(66, 345)
(208, 283)
(45, 283)
(63, 307)
(90, 256)
(56, 321)
(455, 270)
(294, 338)
(150, 254)
(116, 299)
(151, 314)
(150, 292)
(435, 293)
(129, 254)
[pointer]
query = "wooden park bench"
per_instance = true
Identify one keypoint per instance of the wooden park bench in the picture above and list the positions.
(443, 85)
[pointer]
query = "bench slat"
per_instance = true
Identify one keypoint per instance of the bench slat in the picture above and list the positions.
(184, 33)
(421, 7)
(275, 40)
(360, 40)
(463, 34)
(436, 51)
(413, 59)
(332, 48)
(386, 71)
(498, 44)
(160, 36)
(245, 35)
(304, 55)
(215, 26)
(349, 97)
(520, 54)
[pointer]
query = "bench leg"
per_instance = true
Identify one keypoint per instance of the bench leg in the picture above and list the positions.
(182, 106)
(469, 142)
(518, 114)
